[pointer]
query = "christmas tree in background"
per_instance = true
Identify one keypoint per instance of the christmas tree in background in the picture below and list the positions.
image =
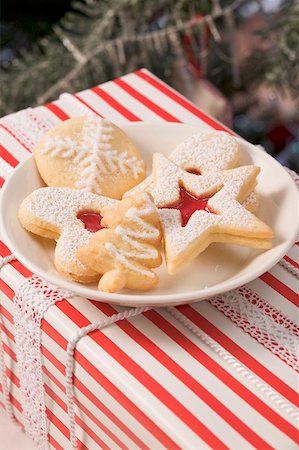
(201, 47)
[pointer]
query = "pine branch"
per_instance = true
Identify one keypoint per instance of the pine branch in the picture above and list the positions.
(94, 43)
(278, 65)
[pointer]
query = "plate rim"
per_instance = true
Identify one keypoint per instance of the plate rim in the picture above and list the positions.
(129, 299)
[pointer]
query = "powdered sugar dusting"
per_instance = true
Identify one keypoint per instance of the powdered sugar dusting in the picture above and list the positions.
(204, 151)
(58, 208)
(227, 188)
(145, 186)
(138, 238)
(207, 152)
(168, 178)
(251, 202)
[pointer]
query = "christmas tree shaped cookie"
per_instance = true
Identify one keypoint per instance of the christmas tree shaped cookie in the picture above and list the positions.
(196, 210)
(89, 153)
(127, 250)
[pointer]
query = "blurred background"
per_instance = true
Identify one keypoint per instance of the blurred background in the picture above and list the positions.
(236, 59)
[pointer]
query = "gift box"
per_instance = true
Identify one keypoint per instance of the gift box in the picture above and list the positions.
(220, 373)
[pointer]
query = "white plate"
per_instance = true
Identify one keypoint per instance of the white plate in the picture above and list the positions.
(220, 268)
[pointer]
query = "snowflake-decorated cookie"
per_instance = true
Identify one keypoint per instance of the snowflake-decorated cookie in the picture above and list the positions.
(70, 217)
(201, 153)
(89, 153)
(126, 251)
(196, 210)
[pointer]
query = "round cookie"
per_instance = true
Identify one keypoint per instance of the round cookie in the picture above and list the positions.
(89, 153)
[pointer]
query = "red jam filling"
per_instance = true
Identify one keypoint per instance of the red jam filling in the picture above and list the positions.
(194, 171)
(188, 204)
(91, 220)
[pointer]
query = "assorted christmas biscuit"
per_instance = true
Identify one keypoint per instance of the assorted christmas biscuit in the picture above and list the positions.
(202, 153)
(89, 153)
(126, 250)
(197, 196)
(196, 210)
(69, 216)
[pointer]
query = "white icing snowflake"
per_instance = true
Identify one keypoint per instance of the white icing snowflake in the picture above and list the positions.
(93, 154)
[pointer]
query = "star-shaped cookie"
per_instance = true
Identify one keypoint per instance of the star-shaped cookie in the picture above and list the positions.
(202, 153)
(196, 210)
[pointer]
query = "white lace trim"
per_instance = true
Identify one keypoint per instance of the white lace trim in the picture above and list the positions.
(3, 378)
(99, 325)
(263, 387)
(245, 308)
(257, 317)
(35, 297)
(27, 126)
(32, 300)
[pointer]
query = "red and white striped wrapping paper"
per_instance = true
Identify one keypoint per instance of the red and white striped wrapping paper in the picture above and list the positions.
(222, 376)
